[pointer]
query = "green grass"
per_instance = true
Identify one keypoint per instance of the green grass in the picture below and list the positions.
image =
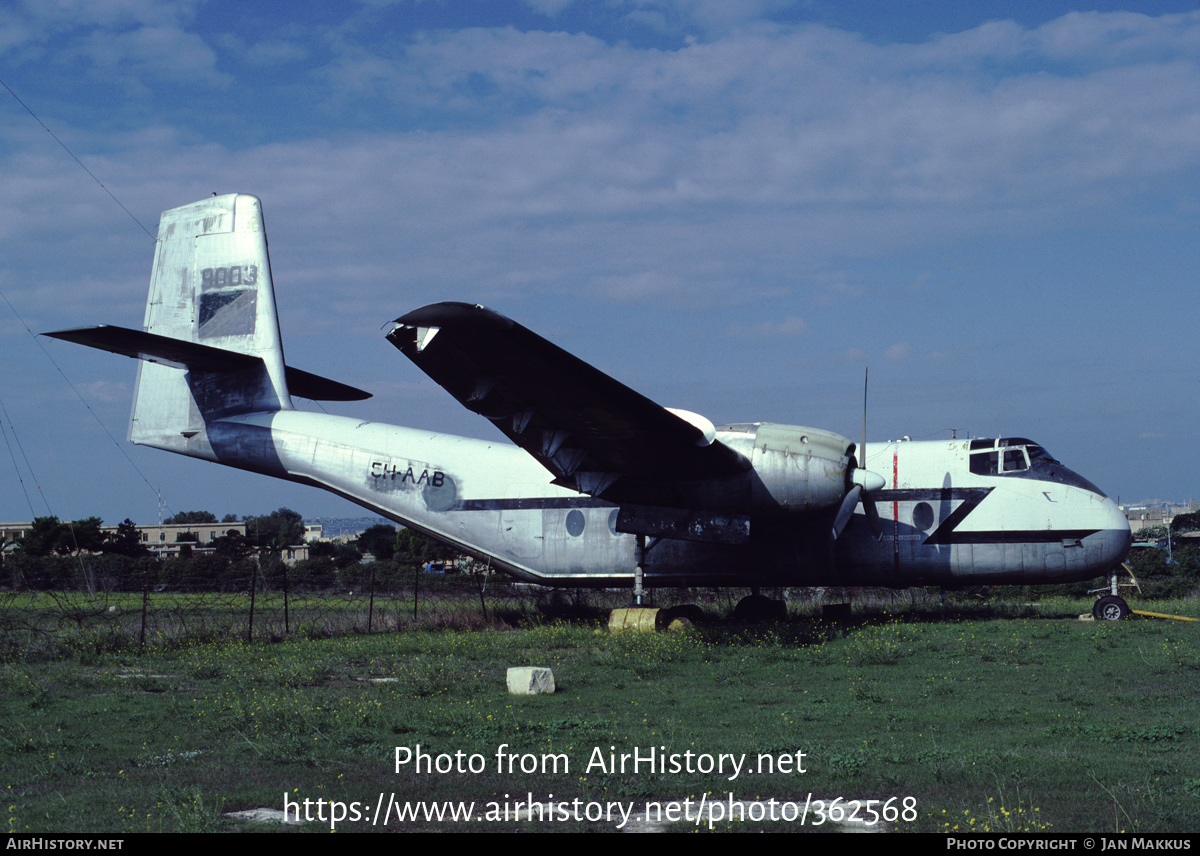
(1010, 724)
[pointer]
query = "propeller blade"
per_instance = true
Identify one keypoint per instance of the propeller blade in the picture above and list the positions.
(843, 515)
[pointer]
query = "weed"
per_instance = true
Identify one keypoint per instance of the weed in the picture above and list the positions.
(184, 809)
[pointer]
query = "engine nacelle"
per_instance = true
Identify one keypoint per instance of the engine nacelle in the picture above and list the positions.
(801, 469)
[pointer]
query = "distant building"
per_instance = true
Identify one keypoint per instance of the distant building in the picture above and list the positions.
(1148, 515)
(163, 539)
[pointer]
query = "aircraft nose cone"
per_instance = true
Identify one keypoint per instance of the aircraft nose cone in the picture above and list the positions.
(1116, 534)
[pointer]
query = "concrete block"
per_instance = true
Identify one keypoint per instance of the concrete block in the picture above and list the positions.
(530, 680)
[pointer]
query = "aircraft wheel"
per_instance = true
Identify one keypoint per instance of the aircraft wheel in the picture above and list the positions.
(1110, 608)
(757, 607)
(680, 617)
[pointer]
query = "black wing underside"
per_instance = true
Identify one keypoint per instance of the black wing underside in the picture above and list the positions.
(596, 435)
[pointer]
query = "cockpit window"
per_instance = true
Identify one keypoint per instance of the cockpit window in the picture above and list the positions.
(985, 463)
(1015, 453)
(1037, 454)
(1022, 458)
(1015, 461)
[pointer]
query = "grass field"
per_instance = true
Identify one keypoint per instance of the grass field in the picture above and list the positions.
(987, 722)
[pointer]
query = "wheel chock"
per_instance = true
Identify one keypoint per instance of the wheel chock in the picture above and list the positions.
(639, 619)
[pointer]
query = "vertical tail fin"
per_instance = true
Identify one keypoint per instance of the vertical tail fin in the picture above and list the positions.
(211, 347)
(211, 285)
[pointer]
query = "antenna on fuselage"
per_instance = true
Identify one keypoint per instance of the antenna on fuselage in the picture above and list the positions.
(862, 482)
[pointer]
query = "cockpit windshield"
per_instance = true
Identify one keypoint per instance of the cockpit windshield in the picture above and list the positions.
(1017, 456)
(1006, 455)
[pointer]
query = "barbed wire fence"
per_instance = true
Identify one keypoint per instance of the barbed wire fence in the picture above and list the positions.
(64, 607)
(55, 605)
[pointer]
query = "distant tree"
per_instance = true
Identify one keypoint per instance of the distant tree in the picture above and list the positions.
(42, 538)
(1186, 522)
(346, 555)
(361, 576)
(49, 535)
(276, 531)
(86, 535)
(231, 546)
(185, 517)
(1160, 576)
(415, 549)
(313, 573)
(321, 549)
(1186, 566)
(1148, 563)
(126, 541)
(1151, 534)
(229, 518)
(379, 541)
(114, 572)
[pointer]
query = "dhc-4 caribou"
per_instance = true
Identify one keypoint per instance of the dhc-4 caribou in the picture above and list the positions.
(603, 486)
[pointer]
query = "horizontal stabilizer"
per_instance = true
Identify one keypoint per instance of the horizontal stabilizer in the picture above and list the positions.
(181, 354)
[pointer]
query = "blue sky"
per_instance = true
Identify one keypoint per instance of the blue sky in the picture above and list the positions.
(733, 207)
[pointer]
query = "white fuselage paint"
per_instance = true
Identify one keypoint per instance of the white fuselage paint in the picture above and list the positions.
(213, 384)
(942, 524)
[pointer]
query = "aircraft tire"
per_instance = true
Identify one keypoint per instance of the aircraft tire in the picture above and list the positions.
(757, 607)
(687, 615)
(1110, 608)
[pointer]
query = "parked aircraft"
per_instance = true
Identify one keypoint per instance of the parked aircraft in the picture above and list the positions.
(603, 486)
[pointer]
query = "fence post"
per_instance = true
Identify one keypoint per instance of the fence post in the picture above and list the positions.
(286, 626)
(253, 586)
(371, 605)
(416, 585)
(145, 601)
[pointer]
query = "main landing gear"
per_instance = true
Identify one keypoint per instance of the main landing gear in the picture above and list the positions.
(758, 607)
(1111, 606)
(646, 619)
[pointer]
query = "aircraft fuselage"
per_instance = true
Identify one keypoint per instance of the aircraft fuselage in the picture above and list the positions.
(942, 523)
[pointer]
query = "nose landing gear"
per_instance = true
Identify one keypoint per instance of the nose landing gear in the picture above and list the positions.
(1112, 607)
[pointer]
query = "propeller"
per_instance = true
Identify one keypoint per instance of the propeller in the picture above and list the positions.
(862, 482)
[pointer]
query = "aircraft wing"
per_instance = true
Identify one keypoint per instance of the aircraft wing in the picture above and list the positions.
(594, 434)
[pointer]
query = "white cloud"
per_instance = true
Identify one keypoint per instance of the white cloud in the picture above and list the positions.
(549, 8)
(593, 182)
(146, 53)
(790, 326)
